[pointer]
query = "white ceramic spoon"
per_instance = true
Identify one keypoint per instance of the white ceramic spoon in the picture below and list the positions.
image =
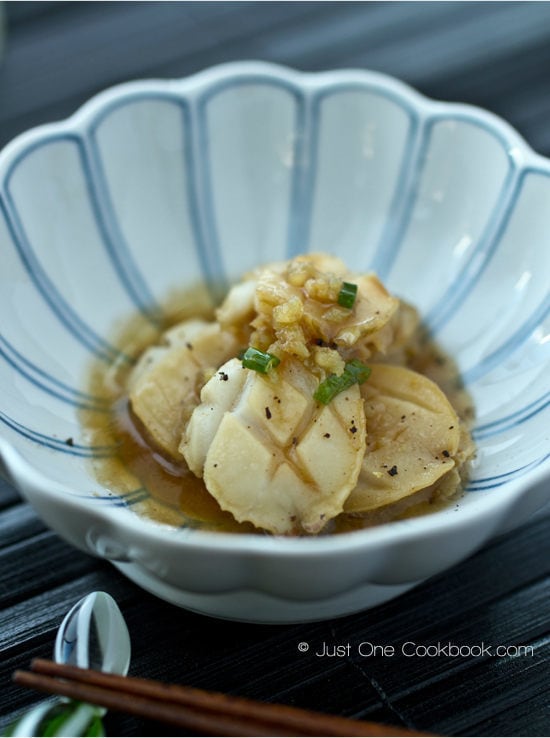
(93, 635)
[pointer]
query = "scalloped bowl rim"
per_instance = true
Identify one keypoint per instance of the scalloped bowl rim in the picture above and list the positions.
(494, 506)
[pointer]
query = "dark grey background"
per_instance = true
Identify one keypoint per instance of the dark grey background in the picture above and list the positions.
(496, 55)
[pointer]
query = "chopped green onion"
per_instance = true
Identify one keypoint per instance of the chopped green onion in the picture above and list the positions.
(259, 361)
(359, 371)
(347, 294)
(354, 373)
(330, 387)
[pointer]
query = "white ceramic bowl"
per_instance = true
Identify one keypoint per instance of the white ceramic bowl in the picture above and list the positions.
(152, 185)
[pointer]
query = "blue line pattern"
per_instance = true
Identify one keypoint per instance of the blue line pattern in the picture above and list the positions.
(485, 248)
(46, 382)
(123, 263)
(402, 204)
(303, 175)
(512, 420)
(66, 446)
(497, 480)
(63, 311)
(510, 346)
(200, 196)
(201, 205)
(116, 499)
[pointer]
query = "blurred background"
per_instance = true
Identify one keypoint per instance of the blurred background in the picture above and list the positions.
(494, 54)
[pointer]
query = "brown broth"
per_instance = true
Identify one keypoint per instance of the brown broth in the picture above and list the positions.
(171, 485)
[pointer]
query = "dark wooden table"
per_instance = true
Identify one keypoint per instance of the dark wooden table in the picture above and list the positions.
(496, 55)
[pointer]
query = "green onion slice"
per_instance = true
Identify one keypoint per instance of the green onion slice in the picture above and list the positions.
(259, 361)
(347, 294)
(359, 371)
(354, 373)
(330, 387)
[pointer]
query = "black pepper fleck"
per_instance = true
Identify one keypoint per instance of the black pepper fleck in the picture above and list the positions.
(268, 413)
(327, 435)
(189, 346)
(446, 453)
(393, 471)
(69, 442)
(223, 376)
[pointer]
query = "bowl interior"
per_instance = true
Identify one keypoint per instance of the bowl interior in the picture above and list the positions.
(156, 186)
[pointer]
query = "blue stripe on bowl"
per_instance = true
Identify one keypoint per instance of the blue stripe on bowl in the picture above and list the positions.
(207, 245)
(116, 499)
(508, 347)
(306, 158)
(57, 444)
(486, 247)
(199, 196)
(404, 197)
(304, 169)
(60, 307)
(403, 207)
(120, 255)
(47, 382)
(201, 200)
(301, 189)
(497, 480)
(507, 422)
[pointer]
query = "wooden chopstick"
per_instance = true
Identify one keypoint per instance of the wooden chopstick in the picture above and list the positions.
(208, 713)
